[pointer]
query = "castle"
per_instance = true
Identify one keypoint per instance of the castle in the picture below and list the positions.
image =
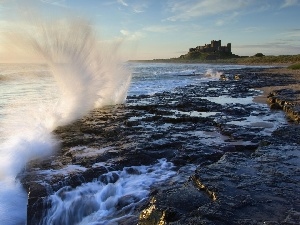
(211, 51)
(213, 47)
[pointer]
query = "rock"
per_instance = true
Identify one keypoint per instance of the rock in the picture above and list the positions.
(275, 106)
(244, 175)
(286, 100)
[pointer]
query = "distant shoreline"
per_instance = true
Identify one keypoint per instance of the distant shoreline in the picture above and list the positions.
(282, 60)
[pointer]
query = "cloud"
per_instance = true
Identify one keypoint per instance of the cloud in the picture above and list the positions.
(286, 43)
(161, 29)
(188, 9)
(122, 2)
(60, 3)
(125, 32)
(275, 48)
(131, 36)
(293, 33)
(289, 3)
(227, 19)
(139, 7)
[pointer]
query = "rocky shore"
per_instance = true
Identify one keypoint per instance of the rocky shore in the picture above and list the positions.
(236, 160)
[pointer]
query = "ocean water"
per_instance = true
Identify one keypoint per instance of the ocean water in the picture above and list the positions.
(33, 101)
(151, 78)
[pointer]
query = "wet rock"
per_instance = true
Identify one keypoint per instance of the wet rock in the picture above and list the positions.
(37, 193)
(275, 106)
(261, 189)
(286, 100)
(169, 204)
(244, 174)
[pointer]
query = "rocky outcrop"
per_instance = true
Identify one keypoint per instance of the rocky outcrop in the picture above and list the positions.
(261, 188)
(287, 100)
(231, 168)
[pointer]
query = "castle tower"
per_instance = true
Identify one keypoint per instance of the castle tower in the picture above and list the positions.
(229, 47)
(216, 45)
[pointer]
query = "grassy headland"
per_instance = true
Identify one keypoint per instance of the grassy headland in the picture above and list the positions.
(294, 66)
(289, 60)
(281, 59)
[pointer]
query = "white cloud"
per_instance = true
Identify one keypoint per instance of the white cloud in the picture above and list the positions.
(125, 32)
(188, 9)
(289, 3)
(131, 36)
(139, 7)
(137, 10)
(122, 2)
(227, 19)
(60, 3)
(291, 34)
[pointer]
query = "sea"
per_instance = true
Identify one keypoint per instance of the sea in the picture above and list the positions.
(32, 104)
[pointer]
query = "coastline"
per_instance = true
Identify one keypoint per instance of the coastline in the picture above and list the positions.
(279, 68)
(281, 61)
(267, 90)
(186, 127)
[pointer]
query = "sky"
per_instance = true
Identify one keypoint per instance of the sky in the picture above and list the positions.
(155, 29)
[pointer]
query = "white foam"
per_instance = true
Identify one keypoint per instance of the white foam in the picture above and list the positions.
(111, 199)
(83, 151)
(213, 74)
(86, 76)
(65, 171)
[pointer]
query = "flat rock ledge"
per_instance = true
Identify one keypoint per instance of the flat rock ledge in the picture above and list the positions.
(229, 170)
(287, 100)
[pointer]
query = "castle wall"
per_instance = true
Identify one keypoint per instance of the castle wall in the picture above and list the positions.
(213, 47)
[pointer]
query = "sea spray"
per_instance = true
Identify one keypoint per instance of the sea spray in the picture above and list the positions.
(87, 74)
(86, 77)
(213, 74)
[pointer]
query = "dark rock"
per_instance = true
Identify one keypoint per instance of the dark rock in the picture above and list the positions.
(244, 174)
(286, 100)
(37, 193)
(275, 106)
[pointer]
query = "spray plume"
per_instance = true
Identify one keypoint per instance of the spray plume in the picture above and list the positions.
(87, 76)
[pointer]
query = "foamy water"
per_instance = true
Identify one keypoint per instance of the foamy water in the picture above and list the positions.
(78, 76)
(151, 78)
(112, 198)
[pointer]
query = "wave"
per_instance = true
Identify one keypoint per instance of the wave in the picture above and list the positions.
(87, 76)
(109, 200)
(213, 74)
